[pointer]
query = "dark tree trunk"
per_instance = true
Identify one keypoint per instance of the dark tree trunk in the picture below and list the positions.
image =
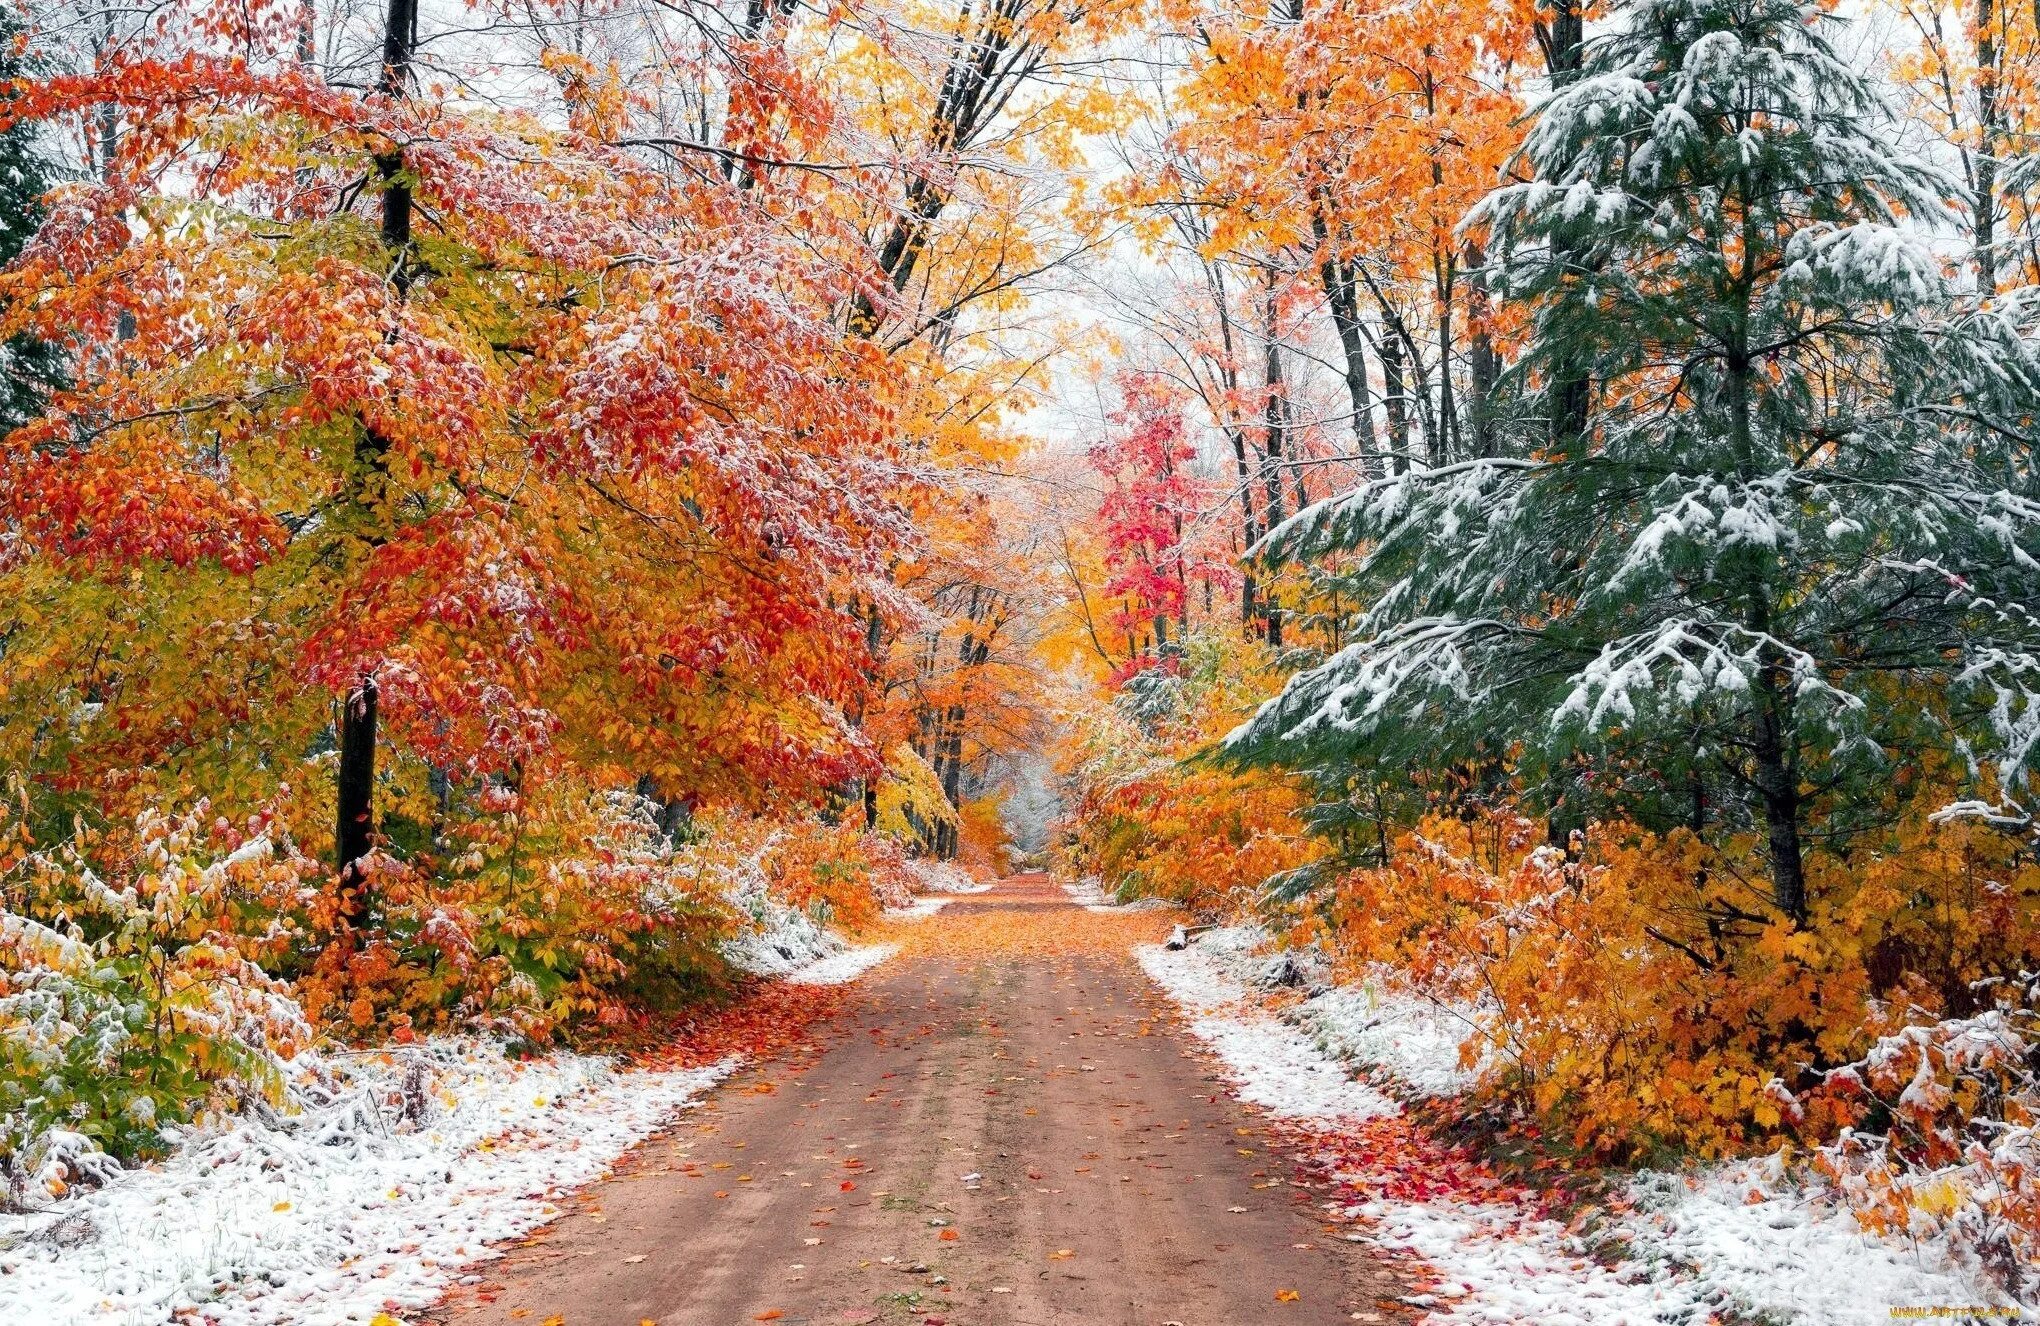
(1273, 422)
(1343, 297)
(1777, 782)
(400, 42)
(355, 793)
(1395, 395)
(355, 833)
(1483, 364)
(1563, 38)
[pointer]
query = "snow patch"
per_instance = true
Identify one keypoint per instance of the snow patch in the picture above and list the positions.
(1739, 1240)
(400, 1168)
(1276, 1066)
(1089, 893)
(944, 877)
(843, 967)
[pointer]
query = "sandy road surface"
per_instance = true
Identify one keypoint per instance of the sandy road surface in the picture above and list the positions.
(1006, 1125)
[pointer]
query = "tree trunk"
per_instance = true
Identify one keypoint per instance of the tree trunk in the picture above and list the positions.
(1274, 445)
(1395, 394)
(1777, 781)
(400, 41)
(1483, 364)
(1343, 297)
(1988, 126)
(355, 793)
(355, 833)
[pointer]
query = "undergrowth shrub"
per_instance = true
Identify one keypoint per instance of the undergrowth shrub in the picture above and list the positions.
(1948, 1137)
(130, 993)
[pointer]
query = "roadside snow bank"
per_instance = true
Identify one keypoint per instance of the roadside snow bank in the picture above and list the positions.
(1276, 1067)
(781, 939)
(399, 1169)
(1091, 896)
(1737, 1240)
(1411, 1041)
(943, 877)
(844, 967)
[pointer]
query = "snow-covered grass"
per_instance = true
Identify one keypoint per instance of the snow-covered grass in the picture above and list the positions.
(843, 967)
(397, 1170)
(1088, 894)
(1747, 1240)
(390, 1173)
(1277, 1068)
(780, 939)
(943, 877)
(1398, 1037)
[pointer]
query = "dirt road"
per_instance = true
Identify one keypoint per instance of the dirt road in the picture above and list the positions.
(1007, 1125)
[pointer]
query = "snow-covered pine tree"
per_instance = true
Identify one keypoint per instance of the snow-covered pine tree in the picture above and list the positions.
(1796, 543)
(29, 368)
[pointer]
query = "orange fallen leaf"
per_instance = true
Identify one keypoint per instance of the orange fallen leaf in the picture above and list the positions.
(849, 1186)
(770, 1314)
(1288, 1296)
(1062, 1254)
(722, 1193)
(949, 1236)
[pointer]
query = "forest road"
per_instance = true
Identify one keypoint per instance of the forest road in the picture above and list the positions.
(1007, 1125)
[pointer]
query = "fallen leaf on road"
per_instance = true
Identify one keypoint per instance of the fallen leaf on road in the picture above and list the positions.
(848, 1186)
(1288, 1296)
(721, 1193)
(633, 1261)
(949, 1236)
(1062, 1254)
(770, 1314)
(1236, 1209)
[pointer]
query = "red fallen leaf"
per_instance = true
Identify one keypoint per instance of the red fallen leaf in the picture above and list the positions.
(770, 1314)
(848, 1186)
(949, 1236)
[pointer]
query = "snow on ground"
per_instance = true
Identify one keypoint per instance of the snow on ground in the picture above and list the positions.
(348, 1207)
(1276, 1067)
(1740, 1239)
(1408, 1039)
(781, 939)
(846, 966)
(1088, 894)
(359, 1203)
(943, 877)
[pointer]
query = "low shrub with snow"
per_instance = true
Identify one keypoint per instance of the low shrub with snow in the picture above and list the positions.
(170, 970)
(931, 876)
(130, 1004)
(1951, 1142)
(385, 1173)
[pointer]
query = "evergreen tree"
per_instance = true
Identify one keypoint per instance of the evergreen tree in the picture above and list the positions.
(1795, 542)
(29, 368)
